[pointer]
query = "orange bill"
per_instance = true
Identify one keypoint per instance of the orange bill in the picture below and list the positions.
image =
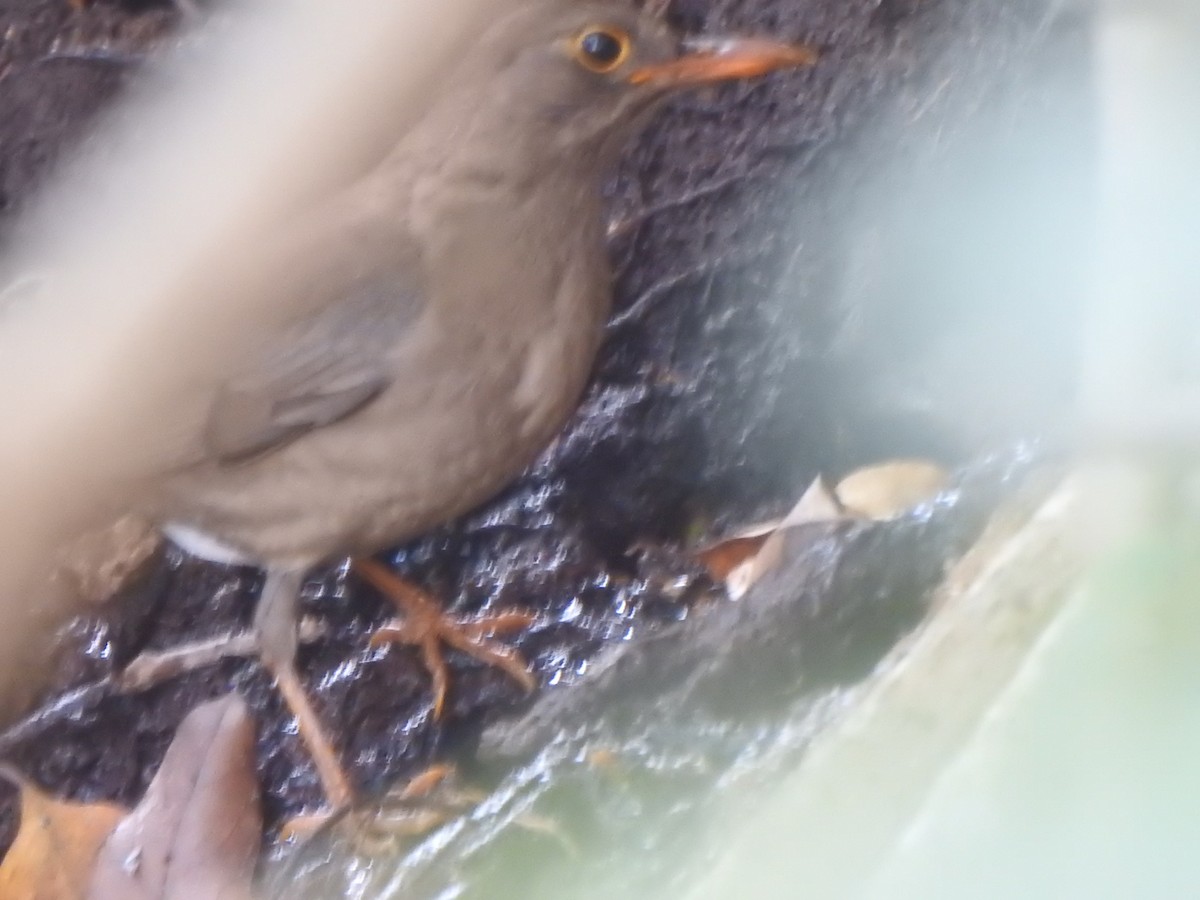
(711, 60)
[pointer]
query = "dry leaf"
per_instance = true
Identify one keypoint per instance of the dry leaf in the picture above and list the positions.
(817, 504)
(741, 559)
(724, 557)
(196, 833)
(875, 492)
(889, 489)
(55, 849)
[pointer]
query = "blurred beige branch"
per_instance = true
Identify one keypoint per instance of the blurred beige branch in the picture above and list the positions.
(131, 256)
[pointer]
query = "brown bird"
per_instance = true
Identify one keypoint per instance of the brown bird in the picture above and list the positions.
(445, 311)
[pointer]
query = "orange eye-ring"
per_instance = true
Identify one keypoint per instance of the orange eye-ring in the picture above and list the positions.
(601, 48)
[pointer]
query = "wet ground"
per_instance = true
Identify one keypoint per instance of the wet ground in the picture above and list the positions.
(780, 314)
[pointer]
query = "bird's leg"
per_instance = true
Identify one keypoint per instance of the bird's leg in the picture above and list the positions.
(274, 641)
(427, 627)
(275, 620)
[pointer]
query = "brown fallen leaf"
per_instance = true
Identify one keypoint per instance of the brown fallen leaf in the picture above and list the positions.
(817, 504)
(877, 492)
(723, 556)
(741, 559)
(55, 849)
(196, 834)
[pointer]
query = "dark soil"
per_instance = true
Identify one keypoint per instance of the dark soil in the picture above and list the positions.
(782, 313)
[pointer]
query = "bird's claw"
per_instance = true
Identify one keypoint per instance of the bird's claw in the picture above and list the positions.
(426, 627)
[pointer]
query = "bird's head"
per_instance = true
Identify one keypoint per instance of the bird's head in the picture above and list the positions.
(580, 78)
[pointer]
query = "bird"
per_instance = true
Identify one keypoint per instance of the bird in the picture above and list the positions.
(444, 312)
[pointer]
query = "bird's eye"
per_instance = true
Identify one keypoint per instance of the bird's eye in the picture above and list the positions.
(601, 49)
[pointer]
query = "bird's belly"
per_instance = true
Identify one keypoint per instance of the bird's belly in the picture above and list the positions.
(383, 475)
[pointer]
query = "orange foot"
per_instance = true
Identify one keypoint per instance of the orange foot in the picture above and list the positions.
(427, 627)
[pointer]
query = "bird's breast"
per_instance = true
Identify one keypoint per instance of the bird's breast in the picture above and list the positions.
(513, 314)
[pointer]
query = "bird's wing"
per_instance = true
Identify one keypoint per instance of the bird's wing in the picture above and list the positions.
(319, 369)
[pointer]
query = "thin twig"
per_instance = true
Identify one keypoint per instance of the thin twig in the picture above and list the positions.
(619, 227)
(150, 669)
(637, 309)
